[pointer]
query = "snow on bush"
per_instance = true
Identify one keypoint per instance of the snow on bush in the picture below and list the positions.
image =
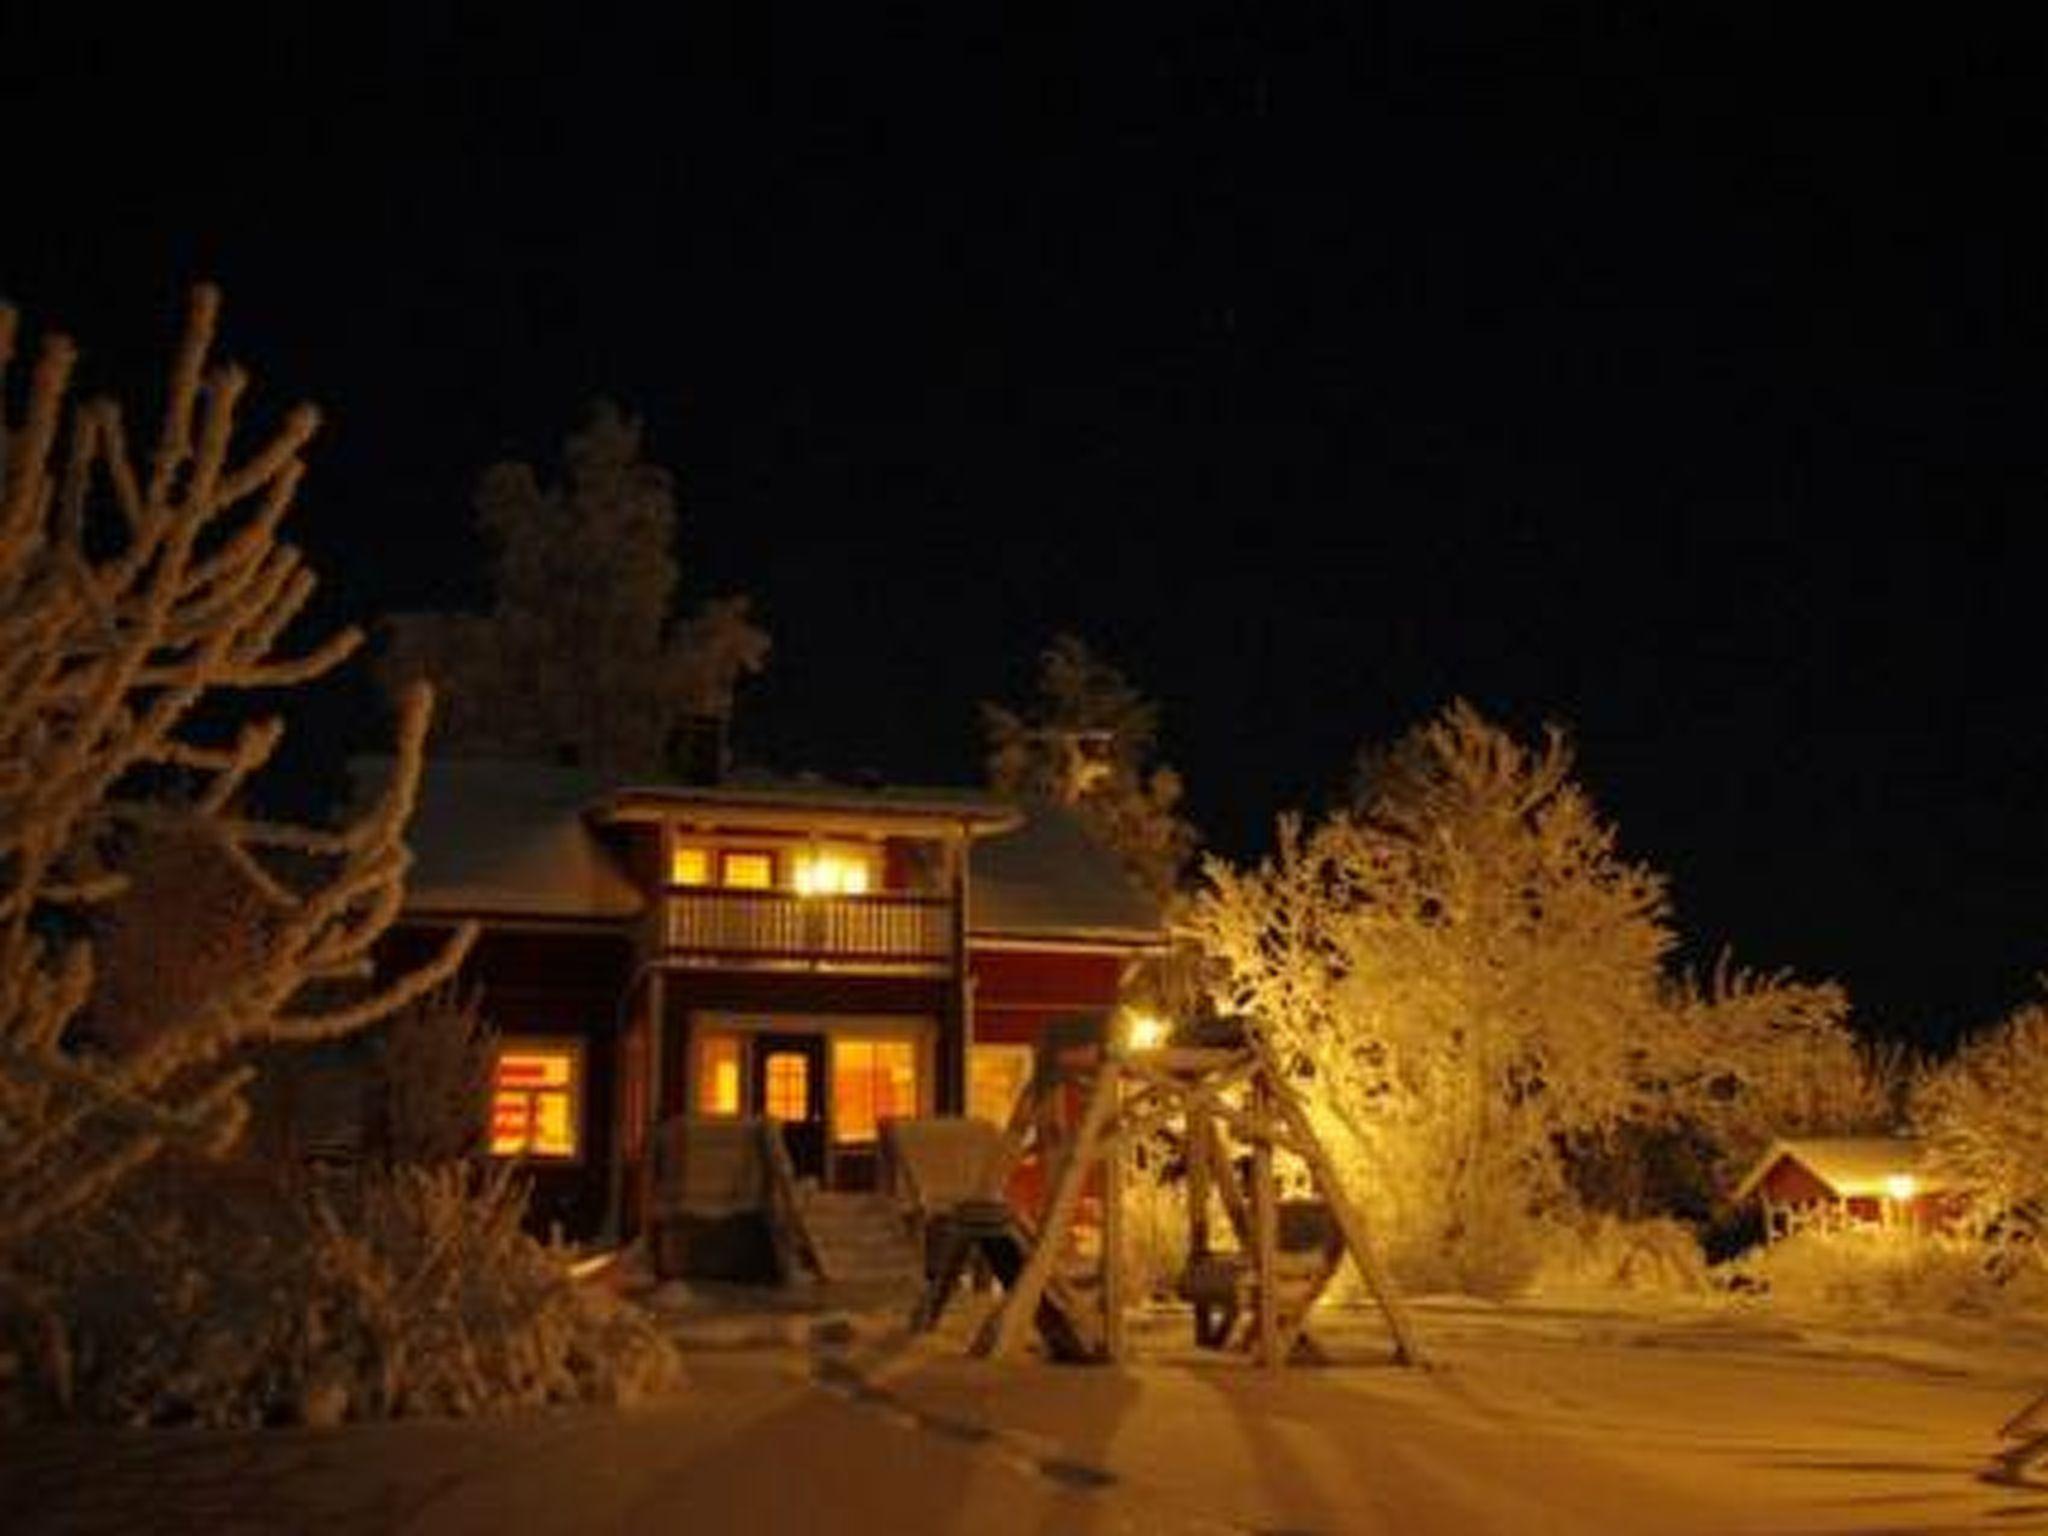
(1870, 1274)
(1604, 1255)
(1985, 1117)
(225, 1298)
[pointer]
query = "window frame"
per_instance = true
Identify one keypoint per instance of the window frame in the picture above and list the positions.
(574, 1047)
(726, 856)
(919, 1078)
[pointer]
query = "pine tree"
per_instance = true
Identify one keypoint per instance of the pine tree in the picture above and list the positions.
(579, 657)
(132, 593)
(1087, 742)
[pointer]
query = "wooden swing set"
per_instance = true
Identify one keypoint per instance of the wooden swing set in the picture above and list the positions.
(1212, 1093)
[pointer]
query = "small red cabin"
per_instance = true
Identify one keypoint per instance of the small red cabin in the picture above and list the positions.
(1855, 1181)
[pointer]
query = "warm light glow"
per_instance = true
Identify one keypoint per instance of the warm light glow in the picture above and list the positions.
(1901, 1186)
(996, 1075)
(872, 1080)
(533, 1101)
(828, 872)
(689, 865)
(747, 871)
(1145, 1031)
(718, 1075)
(786, 1085)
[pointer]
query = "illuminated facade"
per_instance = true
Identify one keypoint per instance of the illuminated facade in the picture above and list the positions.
(830, 956)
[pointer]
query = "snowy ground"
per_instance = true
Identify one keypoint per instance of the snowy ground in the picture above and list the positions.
(1541, 1419)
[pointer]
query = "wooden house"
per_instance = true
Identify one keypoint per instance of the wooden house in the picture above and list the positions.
(1853, 1181)
(824, 954)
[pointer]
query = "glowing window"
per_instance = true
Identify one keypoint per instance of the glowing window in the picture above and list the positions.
(718, 1075)
(833, 872)
(747, 871)
(871, 1080)
(689, 866)
(996, 1075)
(786, 1085)
(536, 1100)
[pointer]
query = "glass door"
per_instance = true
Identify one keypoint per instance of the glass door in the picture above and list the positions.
(788, 1084)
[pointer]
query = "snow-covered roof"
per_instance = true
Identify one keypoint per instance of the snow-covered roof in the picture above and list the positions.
(1050, 879)
(501, 838)
(497, 837)
(760, 798)
(1849, 1166)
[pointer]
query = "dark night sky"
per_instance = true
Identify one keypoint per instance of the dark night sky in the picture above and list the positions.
(1677, 379)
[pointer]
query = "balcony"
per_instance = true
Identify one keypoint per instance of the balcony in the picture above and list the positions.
(782, 930)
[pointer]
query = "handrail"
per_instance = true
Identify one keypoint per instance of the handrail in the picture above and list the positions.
(787, 1222)
(884, 928)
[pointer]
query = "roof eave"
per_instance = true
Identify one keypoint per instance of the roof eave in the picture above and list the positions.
(761, 809)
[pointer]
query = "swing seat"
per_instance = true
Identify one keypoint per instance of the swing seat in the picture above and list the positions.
(1212, 1279)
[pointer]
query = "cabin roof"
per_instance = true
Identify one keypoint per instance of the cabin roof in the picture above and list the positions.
(497, 837)
(1848, 1165)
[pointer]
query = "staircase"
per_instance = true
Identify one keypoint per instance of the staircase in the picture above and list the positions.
(860, 1240)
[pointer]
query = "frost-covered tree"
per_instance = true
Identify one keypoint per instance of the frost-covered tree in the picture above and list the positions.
(1470, 979)
(581, 656)
(1746, 1057)
(1087, 741)
(1768, 1055)
(1465, 971)
(1985, 1113)
(145, 939)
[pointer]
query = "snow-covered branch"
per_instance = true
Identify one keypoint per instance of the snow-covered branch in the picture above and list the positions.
(143, 939)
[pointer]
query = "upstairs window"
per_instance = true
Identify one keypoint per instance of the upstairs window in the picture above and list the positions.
(834, 872)
(746, 870)
(537, 1100)
(689, 864)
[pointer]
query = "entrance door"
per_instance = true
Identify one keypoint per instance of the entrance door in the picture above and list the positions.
(788, 1082)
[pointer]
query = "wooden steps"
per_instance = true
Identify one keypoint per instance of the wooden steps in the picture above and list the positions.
(860, 1239)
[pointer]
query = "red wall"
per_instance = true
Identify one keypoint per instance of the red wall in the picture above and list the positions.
(1016, 992)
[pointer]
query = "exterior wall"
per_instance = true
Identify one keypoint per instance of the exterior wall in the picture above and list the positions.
(584, 983)
(1017, 992)
(1793, 1183)
(1792, 1192)
(552, 982)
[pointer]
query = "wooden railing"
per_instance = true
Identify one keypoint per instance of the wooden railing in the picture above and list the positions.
(894, 929)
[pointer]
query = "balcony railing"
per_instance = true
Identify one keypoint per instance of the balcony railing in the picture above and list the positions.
(890, 931)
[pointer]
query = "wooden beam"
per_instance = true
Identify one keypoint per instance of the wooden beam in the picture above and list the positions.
(1266, 1243)
(1111, 1286)
(1351, 1222)
(1004, 1329)
(1227, 1186)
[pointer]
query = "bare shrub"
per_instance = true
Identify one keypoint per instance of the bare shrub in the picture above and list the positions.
(238, 1295)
